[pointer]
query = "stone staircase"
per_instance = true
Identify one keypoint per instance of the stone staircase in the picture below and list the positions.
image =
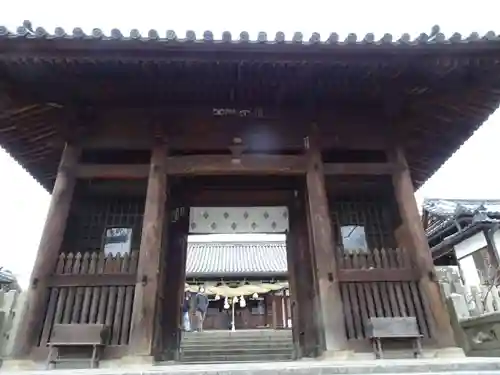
(239, 346)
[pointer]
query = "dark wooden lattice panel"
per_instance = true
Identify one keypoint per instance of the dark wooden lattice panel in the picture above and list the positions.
(373, 215)
(91, 216)
(382, 283)
(92, 288)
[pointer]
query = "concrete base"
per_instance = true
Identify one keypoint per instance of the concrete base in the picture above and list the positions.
(127, 362)
(337, 355)
(452, 352)
(20, 365)
(463, 366)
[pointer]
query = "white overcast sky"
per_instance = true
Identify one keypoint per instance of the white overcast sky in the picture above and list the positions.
(470, 173)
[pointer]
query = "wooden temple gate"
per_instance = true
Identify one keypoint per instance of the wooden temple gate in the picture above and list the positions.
(237, 109)
(87, 287)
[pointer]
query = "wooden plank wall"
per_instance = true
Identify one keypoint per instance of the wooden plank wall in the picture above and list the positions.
(379, 283)
(92, 288)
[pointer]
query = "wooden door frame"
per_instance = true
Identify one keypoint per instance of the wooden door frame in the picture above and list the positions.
(230, 196)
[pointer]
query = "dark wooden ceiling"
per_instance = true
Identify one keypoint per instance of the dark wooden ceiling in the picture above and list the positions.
(434, 93)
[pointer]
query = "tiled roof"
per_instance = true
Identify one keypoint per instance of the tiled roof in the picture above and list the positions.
(447, 210)
(452, 207)
(435, 37)
(236, 258)
(6, 277)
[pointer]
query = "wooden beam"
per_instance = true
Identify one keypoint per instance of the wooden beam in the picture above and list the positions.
(237, 198)
(225, 165)
(358, 168)
(91, 280)
(112, 171)
(378, 275)
(276, 130)
(201, 165)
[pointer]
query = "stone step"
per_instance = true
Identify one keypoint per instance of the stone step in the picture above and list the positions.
(209, 352)
(217, 334)
(229, 345)
(236, 357)
(235, 340)
(216, 338)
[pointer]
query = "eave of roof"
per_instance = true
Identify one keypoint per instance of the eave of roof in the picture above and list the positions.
(446, 246)
(40, 157)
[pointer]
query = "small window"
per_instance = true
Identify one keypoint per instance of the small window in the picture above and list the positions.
(353, 238)
(117, 240)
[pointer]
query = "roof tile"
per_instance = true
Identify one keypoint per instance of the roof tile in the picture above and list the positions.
(245, 258)
(446, 210)
(6, 277)
(435, 37)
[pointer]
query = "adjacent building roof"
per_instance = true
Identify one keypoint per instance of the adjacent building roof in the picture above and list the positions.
(6, 277)
(446, 211)
(218, 259)
(454, 220)
(451, 207)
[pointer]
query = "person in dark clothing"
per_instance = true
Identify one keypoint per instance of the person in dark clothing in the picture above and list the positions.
(186, 319)
(200, 306)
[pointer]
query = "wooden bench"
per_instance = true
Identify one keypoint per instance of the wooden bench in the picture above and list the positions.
(94, 336)
(394, 328)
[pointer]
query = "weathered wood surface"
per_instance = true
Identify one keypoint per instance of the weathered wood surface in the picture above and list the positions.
(246, 164)
(368, 169)
(226, 165)
(113, 171)
(48, 251)
(79, 334)
(413, 237)
(170, 309)
(148, 269)
(330, 300)
(293, 263)
(380, 283)
(73, 302)
(393, 327)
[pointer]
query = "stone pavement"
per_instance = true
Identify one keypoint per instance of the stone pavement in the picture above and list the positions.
(458, 366)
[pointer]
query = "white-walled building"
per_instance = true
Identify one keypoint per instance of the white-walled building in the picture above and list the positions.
(465, 233)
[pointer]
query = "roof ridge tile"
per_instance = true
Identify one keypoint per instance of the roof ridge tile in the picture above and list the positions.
(436, 37)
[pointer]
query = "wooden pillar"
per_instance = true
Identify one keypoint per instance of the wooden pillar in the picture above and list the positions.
(309, 299)
(148, 268)
(331, 314)
(274, 312)
(412, 236)
(293, 264)
(48, 252)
